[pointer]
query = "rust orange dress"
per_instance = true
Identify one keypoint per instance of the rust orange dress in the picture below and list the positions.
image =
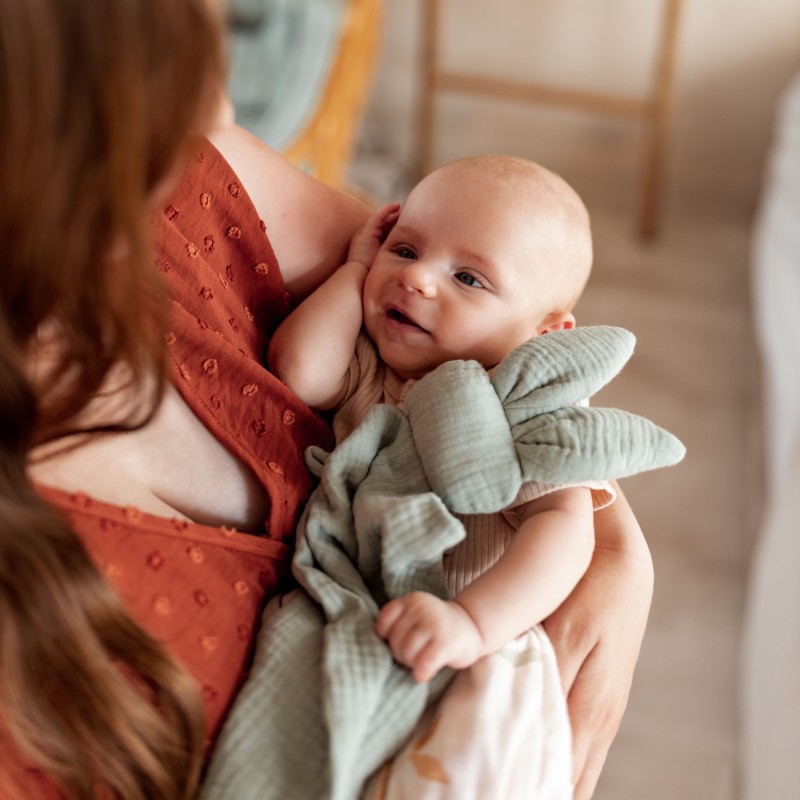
(200, 589)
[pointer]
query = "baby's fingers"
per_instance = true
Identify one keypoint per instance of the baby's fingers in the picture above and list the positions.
(387, 617)
(404, 629)
(387, 218)
(428, 661)
(371, 236)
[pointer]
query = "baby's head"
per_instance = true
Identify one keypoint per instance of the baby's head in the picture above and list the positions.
(487, 253)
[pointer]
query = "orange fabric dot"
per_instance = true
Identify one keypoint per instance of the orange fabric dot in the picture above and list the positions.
(259, 427)
(179, 524)
(249, 314)
(155, 560)
(234, 324)
(249, 389)
(208, 243)
(192, 250)
(172, 213)
(261, 268)
(210, 694)
(210, 366)
(206, 293)
(275, 467)
(222, 280)
(171, 338)
(229, 272)
(196, 554)
(107, 524)
(215, 402)
(184, 373)
(234, 189)
(288, 417)
(81, 499)
(262, 225)
(164, 265)
(113, 571)
(209, 643)
(162, 605)
(240, 587)
(205, 201)
(133, 513)
(201, 598)
(234, 232)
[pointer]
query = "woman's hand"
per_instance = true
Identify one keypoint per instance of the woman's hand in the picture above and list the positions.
(597, 633)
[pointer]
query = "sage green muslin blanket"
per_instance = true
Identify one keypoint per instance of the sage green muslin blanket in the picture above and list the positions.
(325, 704)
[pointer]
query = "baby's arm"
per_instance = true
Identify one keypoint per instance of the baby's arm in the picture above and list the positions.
(312, 348)
(545, 560)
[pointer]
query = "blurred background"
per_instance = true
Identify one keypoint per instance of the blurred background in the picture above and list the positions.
(677, 123)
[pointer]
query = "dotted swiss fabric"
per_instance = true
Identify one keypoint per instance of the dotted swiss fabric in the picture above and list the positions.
(199, 589)
(228, 296)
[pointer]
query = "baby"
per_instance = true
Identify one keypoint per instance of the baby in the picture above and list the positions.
(485, 253)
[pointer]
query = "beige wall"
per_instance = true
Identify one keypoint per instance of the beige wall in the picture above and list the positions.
(734, 57)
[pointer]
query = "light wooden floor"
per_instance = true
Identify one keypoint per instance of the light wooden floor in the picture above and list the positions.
(695, 371)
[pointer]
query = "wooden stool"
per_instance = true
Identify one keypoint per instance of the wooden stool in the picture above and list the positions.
(652, 110)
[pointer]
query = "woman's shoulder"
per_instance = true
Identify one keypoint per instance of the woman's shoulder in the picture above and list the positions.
(310, 224)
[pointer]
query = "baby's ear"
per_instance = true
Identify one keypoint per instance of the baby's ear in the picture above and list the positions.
(556, 321)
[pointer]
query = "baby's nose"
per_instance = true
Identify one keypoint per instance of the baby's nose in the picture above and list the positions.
(417, 278)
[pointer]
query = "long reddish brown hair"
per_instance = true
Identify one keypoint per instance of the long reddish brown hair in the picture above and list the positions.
(98, 102)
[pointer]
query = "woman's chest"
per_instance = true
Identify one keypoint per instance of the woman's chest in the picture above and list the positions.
(174, 466)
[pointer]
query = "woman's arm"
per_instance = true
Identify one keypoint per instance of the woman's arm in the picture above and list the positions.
(310, 225)
(597, 633)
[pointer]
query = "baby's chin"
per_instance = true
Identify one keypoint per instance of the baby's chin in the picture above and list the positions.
(416, 371)
(406, 370)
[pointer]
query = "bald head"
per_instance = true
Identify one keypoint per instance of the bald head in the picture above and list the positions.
(547, 204)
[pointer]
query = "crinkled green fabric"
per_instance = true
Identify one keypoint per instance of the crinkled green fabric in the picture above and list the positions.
(325, 703)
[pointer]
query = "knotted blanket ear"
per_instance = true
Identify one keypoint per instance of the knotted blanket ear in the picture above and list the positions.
(524, 425)
(560, 369)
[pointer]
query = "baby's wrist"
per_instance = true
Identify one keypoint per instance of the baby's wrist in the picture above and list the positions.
(472, 623)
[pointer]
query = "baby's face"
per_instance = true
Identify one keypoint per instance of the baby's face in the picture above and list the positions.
(457, 278)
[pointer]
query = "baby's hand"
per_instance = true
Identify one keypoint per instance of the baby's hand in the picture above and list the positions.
(367, 241)
(425, 634)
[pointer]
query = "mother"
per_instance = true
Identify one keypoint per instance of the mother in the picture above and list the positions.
(151, 468)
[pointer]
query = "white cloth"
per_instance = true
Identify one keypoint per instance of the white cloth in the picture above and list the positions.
(771, 679)
(770, 689)
(500, 732)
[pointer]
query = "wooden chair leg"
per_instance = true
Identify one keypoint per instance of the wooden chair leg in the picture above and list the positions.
(657, 121)
(429, 65)
(653, 111)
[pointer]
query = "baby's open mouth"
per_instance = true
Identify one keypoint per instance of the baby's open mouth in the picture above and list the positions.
(399, 316)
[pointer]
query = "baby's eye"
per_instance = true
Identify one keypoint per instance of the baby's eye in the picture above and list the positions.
(404, 252)
(468, 280)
